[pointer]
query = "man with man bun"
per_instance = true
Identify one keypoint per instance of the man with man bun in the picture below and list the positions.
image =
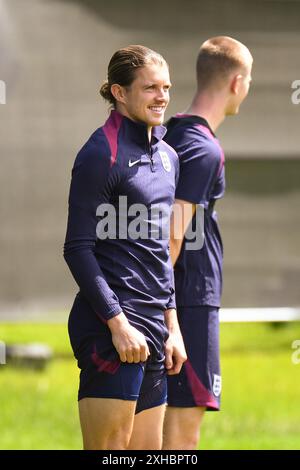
(123, 326)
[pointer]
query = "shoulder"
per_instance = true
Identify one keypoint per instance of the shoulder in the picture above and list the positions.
(198, 140)
(95, 151)
(209, 145)
(182, 134)
(192, 132)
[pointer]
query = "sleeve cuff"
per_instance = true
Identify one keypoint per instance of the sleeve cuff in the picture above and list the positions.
(112, 312)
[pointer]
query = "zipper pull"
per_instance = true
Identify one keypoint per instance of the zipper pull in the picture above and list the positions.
(151, 160)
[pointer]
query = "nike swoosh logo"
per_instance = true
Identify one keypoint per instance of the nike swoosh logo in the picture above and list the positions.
(130, 163)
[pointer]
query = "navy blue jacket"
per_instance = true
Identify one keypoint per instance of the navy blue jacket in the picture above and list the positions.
(198, 273)
(120, 272)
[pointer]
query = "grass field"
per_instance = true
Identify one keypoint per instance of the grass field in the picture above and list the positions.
(260, 401)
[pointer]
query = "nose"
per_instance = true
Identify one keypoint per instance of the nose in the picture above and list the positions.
(162, 94)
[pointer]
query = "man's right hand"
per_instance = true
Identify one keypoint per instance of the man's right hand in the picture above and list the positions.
(130, 343)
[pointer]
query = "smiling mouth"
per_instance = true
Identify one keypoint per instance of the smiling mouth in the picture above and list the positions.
(157, 109)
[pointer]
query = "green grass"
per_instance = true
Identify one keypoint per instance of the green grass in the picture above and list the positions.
(260, 400)
(39, 408)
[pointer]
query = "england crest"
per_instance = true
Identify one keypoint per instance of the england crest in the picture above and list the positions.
(165, 161)
(217, 385)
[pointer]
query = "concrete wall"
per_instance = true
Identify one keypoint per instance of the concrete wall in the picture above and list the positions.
(53, 56)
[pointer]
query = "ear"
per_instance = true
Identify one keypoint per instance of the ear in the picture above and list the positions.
(235, 84)
(118, 92)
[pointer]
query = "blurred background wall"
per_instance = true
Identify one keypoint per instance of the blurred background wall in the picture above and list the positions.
(54, 56)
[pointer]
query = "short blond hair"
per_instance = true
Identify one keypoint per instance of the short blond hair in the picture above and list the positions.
(218, 57)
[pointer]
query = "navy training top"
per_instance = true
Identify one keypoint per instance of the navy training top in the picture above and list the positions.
(121, 271)
(198, 273)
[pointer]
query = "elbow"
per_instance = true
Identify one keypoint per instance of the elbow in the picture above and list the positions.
(67, 253)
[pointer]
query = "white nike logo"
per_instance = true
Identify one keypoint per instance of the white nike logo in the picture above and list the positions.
(130, 163)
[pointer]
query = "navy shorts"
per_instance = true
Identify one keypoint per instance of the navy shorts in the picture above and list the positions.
(199, 382)
(102, 374)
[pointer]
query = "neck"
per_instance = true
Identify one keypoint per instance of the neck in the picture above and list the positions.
(122, 110)
(210, 106)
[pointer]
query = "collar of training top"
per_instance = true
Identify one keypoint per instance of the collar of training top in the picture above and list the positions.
(188, 118)
(138, 131)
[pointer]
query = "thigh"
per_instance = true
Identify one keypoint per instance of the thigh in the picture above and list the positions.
(147, 429)
(199, 382)
(182, 427)
(106, 423)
